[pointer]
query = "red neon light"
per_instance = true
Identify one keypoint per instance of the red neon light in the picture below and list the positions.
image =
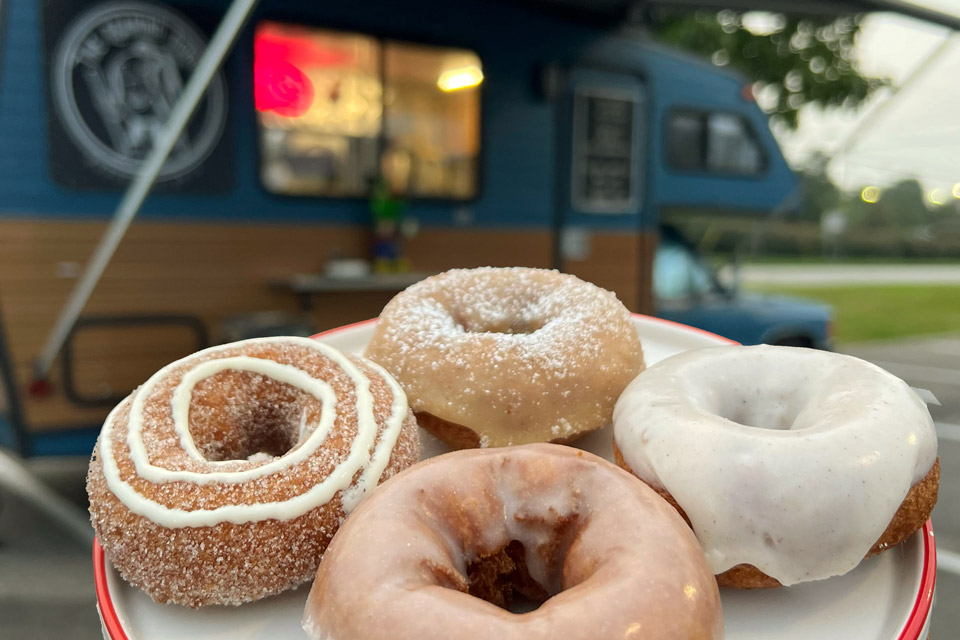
(280, 55)
(281, 87)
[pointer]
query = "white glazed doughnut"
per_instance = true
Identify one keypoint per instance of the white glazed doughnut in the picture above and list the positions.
(791, 460)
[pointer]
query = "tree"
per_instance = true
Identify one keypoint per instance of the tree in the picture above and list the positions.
(798, 61)
(819, 193)
(904, 203)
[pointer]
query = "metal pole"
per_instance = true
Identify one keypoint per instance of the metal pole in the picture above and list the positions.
(216, 51)
(17, 479)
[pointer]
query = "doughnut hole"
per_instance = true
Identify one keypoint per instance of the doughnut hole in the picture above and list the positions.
(503, 579)
(479, 323)
(506, 312)
(528, 555)
(774, 397)
(235, 415)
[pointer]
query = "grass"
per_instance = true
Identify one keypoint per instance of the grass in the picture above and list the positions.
(885, 312)
(815, 259)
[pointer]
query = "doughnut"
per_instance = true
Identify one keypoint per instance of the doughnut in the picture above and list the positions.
(790, 464)
(222, 479)
(494, 357)
(439, 550)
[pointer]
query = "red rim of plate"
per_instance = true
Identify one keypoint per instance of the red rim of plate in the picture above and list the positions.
(911, 631)
(687, 328)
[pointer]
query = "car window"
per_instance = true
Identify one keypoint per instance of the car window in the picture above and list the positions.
(713, 142)
(678, 274)
(732, 147)
(686, 141)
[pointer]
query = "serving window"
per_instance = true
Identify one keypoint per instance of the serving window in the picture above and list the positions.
(336, 110)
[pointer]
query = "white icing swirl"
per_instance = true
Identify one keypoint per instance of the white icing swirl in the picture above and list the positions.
(359, 458)
(832, 448)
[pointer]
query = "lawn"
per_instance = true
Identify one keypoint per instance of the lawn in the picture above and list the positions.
(848, 260)
(886, 311)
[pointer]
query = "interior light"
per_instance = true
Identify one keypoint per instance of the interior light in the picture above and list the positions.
(870, 194)
(936, 196)
(460, 78)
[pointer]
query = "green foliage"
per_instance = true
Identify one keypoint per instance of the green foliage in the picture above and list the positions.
(902, 206)
(904, 203)
(803, 61)
(819, 195)
(886, 311)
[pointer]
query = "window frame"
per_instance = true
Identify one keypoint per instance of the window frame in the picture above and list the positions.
(579, 125)
(381, 38)
(703, 115)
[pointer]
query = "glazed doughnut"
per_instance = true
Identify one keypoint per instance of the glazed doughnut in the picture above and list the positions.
(223, 478)
(790, 464)
(435, 549)
(494, 357)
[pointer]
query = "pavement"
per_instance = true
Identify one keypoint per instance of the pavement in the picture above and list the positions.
(46, 578)
(934, 364)
(46, 574)
(828, 275)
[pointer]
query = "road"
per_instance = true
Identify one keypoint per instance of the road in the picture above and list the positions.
(828, 275)
(934, 364)
(46, 575)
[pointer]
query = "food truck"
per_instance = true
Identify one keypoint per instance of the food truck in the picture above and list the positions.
(341, 152)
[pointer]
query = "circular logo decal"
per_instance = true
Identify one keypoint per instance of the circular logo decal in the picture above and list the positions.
(117, 73)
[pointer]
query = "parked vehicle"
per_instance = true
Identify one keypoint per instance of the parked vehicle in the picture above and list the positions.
(688, 291)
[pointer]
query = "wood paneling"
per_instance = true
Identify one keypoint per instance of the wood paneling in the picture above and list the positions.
(439, 249)
(622, 263)
(212, 271)
(208, 270)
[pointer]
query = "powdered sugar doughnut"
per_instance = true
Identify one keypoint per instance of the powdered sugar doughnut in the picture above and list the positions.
(495, 357)
(223, 478)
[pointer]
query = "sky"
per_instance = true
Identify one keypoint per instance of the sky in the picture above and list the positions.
(912, 132)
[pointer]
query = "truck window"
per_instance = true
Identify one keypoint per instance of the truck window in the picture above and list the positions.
(337, 109)
(731, 145)
(432, 119)
(713, 142)
(678, 274)
(685, 148)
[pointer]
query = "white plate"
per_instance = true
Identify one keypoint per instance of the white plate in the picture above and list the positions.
(886, 597)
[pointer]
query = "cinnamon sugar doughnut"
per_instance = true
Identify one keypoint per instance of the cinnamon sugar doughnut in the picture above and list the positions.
(435, 549)
(494, 357)
(790, 464)
(223, 478)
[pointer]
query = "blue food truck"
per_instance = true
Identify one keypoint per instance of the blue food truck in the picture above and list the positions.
(417, 137)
